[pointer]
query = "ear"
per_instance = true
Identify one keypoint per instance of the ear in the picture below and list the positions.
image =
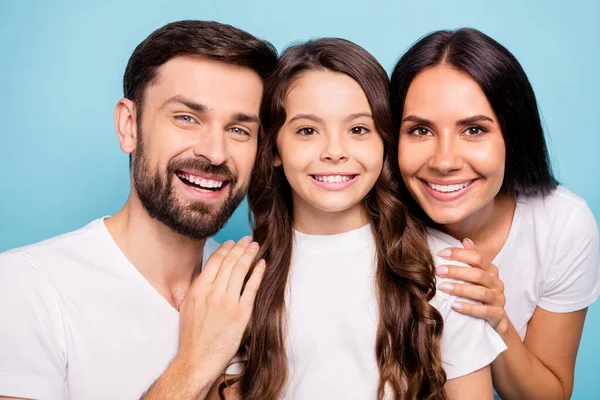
(277, 161)
(126, 125)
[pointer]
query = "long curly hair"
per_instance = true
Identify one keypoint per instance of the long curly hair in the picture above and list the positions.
(407, 346)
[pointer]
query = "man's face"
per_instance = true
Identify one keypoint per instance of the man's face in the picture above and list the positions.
(196, 143)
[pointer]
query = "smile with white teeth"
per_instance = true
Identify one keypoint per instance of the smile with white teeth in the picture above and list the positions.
(333, 178)
(448, 188)
(209, 184)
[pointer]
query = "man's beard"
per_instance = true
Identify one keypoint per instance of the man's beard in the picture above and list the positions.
(196, 220)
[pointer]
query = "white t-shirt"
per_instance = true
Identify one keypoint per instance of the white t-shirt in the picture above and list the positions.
(550, 259)
(79, 321)
(333, 316)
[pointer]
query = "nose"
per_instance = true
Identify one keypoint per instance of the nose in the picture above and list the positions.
(212, 146)
(334, 149)
(446, 157)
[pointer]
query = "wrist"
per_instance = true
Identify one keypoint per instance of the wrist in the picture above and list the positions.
(194, 376)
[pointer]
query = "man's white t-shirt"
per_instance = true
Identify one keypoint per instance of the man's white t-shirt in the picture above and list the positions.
(333, 316)
(550, 259)
(79, 321)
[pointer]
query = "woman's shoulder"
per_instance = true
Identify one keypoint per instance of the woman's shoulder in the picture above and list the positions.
(561, 211)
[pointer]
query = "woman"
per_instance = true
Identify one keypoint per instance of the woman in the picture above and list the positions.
(347, 308)
(473, 156)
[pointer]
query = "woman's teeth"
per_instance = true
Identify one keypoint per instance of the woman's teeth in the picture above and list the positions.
(448, 188)
(333, 178)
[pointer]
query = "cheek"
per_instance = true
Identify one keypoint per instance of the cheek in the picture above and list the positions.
(243, 156)
(410, 158)
(488, 160)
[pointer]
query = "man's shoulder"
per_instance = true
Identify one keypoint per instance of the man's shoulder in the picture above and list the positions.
(56, 250)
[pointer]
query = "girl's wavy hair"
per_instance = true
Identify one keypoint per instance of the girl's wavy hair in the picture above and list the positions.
(408, 336)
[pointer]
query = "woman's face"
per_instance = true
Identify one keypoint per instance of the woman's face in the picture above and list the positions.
(451, 151)
(329, 147)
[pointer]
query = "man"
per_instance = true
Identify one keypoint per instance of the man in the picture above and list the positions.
(119, 309)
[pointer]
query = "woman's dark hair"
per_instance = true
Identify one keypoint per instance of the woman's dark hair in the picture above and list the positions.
(528, 169)
(407, 346)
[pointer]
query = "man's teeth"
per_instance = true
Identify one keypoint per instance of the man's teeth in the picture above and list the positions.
(333, 178)
(449, 188)
(205, 183)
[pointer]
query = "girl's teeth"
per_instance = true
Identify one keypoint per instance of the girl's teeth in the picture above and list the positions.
(333, 178)
(449, 188)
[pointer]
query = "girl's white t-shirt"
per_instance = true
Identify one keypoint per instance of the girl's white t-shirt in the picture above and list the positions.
(333, 317)
(550, 259)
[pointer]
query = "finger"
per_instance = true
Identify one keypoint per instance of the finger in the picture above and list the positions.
(229, 261)
(251, 288)
(467, 256)
(471, 292)
(491, 314)
(468, 274)
(468, 244)
(211, 268)
(240, 270)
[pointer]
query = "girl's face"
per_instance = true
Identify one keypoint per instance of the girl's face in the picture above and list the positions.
(329, 148)
(451, 151)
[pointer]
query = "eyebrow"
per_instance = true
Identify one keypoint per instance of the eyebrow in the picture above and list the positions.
(192, 105)
(318, 119)
(201, 108)
(461, 122)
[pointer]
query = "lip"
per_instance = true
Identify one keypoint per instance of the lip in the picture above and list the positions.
(334, 186)
(451, 196)
(203, 175)
(200, 194)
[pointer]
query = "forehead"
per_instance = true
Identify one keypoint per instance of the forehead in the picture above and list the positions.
(445, 92)
(326, 92)
(217, 85)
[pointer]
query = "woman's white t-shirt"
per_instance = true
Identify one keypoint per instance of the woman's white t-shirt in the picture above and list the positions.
(333, 317)
(550, 259)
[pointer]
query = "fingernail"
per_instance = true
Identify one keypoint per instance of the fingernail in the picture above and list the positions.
(470, 241)
(261, 263)
(246, 239)
(447, 287)
(229, 242)
(457, 306)
(254, 245)
(442, 270)
(445, 253)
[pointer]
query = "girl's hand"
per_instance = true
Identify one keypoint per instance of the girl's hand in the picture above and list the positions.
(484, 285)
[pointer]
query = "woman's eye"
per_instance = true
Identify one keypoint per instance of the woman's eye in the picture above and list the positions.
(308, 131)
(474, 131)
(359, 130)
(239, 131)
(186, 119)
(420, 131)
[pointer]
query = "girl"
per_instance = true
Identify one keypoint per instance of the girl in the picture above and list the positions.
(472, 155)
(347, 308)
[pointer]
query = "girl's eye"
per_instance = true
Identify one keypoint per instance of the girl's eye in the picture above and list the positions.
(420, 131)
(239, 131)
(359, 130)
(474, 131)
(186, 119)
(307, 131)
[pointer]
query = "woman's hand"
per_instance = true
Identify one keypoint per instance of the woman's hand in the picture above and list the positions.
(483, 285)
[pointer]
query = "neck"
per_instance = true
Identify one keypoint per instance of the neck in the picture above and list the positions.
(165, 258)
(317, 222)
(488, 227)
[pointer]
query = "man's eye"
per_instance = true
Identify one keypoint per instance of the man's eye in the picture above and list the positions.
(186, 119)
(239, 131)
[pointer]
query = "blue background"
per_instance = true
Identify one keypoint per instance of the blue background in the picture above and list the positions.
(62, 64)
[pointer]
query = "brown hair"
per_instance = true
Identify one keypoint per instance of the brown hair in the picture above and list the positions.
(408, 336)
(210, 39)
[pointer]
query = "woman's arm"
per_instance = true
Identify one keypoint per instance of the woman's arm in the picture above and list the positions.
(475, 386)
(543, 366)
